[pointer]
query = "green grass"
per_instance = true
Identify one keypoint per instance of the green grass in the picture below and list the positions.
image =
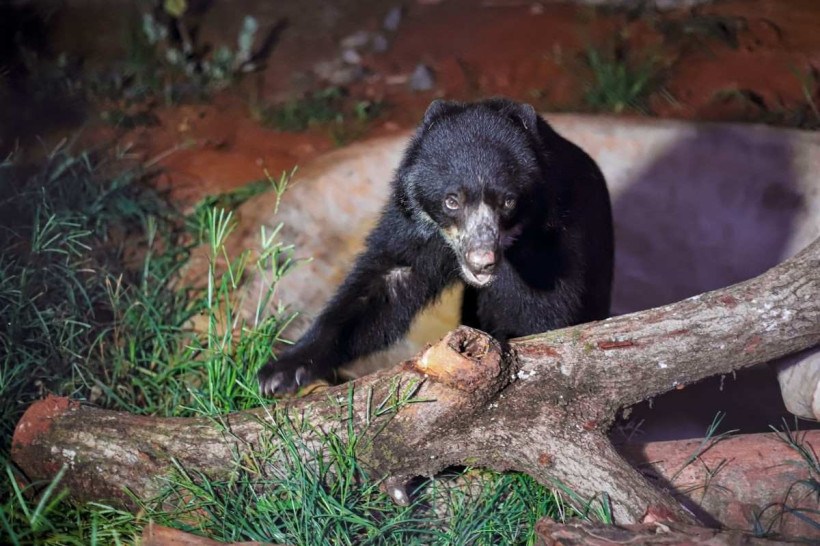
(40, 514)
(65, 294)
(92, 305)
(297, 115)
(345, 120)
(619, 83)
(318, 494)
(799, 495)
(80, 320)
(810, 86)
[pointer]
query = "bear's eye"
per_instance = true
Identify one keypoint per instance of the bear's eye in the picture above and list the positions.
(451, 202)
(509, 202)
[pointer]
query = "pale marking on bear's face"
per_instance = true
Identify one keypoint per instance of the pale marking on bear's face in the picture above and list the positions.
(480, 222)
(480, 228)
(451, 234)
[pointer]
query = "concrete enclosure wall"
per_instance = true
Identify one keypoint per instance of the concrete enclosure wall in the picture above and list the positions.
(696, 207)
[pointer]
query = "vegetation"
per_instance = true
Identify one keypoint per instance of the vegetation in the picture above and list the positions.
(810, 86)
(789, 505)
(327, 107)
(92, 305)
(164, 61)
(296, 115)
(804, 115)
(619, 82)
(170, 44)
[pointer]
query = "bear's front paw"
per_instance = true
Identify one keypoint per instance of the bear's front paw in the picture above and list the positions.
(284, 375)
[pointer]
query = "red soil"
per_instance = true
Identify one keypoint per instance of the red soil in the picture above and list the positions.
(478, 51)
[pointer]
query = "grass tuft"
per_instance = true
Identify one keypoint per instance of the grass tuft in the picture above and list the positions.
(768, 519)
(345, 120)
(619, 83)
(304, 487)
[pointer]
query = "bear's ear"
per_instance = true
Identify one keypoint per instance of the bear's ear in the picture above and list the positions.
(438, 108)
(528, 116)
(520, 112)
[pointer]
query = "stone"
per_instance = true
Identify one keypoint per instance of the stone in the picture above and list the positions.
(351, 56)
(379, 43)
(356, 40)
(338, 72)
(393, 19)
(422, 78)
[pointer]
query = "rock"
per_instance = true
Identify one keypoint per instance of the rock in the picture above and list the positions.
(338, 72)
(393, 19)
(422, 78)
(379, 43)
(351, 56)
(396, 79)
(799, 378)
(356, 40)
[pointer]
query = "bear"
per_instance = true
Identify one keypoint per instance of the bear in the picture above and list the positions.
(487, 194)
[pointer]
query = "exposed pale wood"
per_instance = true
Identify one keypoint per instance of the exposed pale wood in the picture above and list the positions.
(158, 535)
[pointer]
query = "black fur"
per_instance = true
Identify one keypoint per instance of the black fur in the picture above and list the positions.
(543, 239)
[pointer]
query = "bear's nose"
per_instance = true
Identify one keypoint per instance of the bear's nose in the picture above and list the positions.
(481, 260)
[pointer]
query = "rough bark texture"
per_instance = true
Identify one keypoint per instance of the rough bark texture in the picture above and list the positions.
(741, 482)
(542, 408)
(550, 533)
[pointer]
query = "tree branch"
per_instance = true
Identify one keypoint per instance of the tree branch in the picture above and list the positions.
(634, 357)
(543, 407)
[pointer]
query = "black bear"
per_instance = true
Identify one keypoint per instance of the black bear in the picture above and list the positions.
(487, 194)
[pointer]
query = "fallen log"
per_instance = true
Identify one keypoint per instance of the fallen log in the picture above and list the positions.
(551, 533)
(749, 482)
(158, 535)
(542, 406)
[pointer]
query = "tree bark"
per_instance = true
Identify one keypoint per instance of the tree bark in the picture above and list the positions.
(748, 481)
(550, 533)
(542, 406)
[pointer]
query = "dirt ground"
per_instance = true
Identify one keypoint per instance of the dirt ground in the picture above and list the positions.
(748, 60)
(477, 51)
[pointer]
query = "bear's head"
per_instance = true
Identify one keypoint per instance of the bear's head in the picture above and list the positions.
(473, 174)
